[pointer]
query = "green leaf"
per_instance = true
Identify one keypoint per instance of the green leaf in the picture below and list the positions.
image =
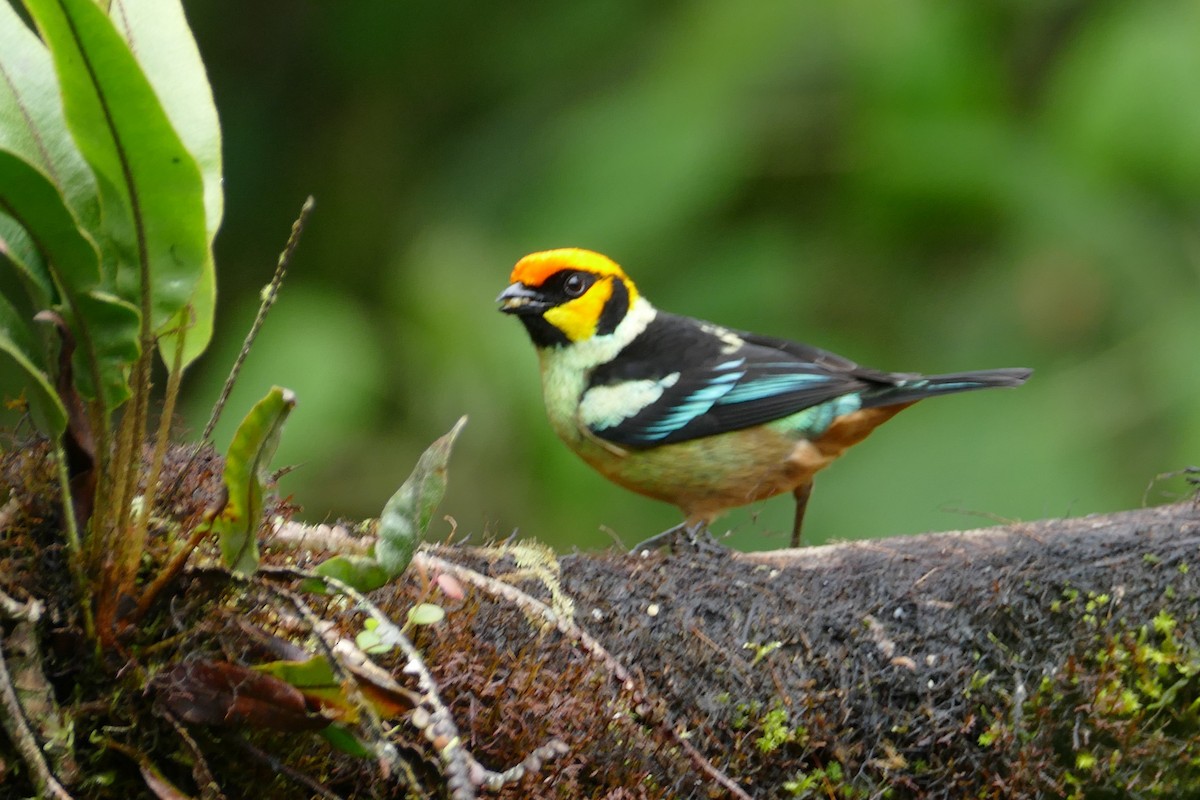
(159, 36)
(369, 641)
(426, 614)
(363, 573)
(17, 340)
(151, 190)
(246, 474)
(195, 320)
(312, 673)
(17, 249)
(31, 117)
(344, 740)
(406, 515)
(401, 526)
(105, 327)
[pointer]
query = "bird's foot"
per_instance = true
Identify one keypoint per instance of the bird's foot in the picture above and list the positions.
(695, 536)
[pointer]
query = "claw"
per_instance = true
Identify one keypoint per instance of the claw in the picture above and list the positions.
(695, 535)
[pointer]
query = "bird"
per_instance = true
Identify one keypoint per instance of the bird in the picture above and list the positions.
(689, 412)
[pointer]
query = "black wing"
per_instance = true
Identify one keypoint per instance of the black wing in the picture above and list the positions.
(714, 380)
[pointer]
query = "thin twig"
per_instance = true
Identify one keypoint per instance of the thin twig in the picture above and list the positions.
(384, 750)
(17, 728)
(463, 770)
(440, 729)
(268, 300)
(202, 773)
(290, 772)
(567, 627)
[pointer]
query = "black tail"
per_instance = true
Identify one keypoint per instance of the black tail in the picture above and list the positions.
(910, 388)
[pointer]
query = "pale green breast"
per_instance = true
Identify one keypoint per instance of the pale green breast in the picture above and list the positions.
(562, 387)
(567, 369)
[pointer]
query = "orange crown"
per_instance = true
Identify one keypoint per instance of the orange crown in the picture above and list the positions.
(535, 268)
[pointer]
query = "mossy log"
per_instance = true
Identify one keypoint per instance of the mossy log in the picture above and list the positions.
(1039, 659)
(1056, 658)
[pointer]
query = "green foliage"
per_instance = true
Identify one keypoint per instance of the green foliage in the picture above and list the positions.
(775, 732)
(406, 515)
(16, 341)
(106, 328)
(362, 572)
(246, 476)
(110, 196)
(151, 192)
(404, 520)
(761, 651)
(159, 34)
(105, 214)
(345, 741)
(426, 614)
(827, 781)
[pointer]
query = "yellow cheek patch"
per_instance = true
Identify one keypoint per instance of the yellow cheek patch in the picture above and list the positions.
(577, 319)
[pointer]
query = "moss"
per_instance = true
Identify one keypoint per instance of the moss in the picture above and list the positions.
(775, 733)
(1124, 714)
(830, 781)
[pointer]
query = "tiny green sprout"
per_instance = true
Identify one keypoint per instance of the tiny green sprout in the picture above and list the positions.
(1183, 568)
(369, 641)
(742, 714)
(104, 779)
(1129, 701)
(989, 737)
(761, 651)
(1151, 559)
(804, 784)
(979, 680)
(775, 732)
(1164, 623)
(1085, 761)
(426, 614)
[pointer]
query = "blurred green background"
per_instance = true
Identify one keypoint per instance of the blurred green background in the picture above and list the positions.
(918, 185)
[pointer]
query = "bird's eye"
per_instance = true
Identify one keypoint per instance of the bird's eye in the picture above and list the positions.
(574, 285)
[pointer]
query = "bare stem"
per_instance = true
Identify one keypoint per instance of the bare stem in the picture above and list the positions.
(74, 548)
(268, 299)
(136, 542)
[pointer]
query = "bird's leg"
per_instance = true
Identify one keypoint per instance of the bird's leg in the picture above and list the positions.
(659, 539)
(694, 533)
(801, 493)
